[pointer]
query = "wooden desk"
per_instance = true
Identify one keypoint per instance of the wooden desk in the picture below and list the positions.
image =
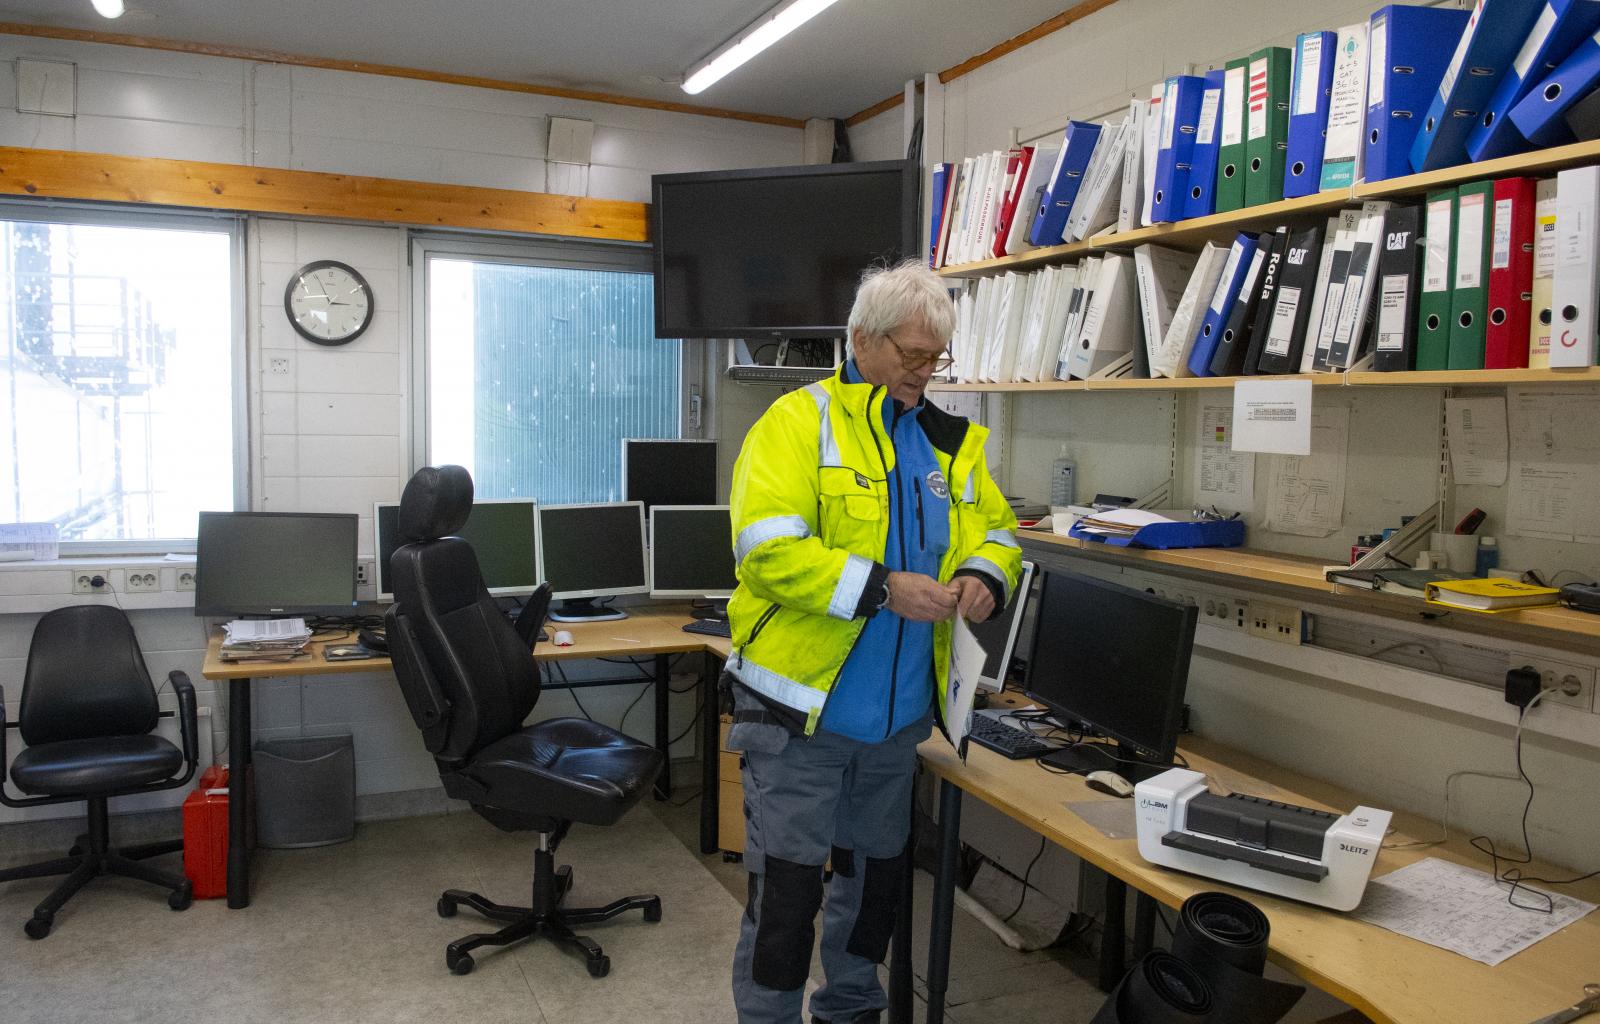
(1390, 978)
(648, 631)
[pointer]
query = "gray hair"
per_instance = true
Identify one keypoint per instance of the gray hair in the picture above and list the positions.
(890, 298)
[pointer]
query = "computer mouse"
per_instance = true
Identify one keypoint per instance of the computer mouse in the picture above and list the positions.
(562, 638)
(373, 640)
(1109, 782)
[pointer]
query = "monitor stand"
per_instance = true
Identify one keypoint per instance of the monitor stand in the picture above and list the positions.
(715, 609)
(1096, 757)
(584, 609)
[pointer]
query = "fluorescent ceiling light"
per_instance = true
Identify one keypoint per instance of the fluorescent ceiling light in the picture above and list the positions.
(766, 30)
(108, 8)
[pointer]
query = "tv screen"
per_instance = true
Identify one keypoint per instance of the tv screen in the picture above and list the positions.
(775, 251)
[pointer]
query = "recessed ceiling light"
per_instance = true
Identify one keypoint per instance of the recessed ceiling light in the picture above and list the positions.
(108, 8)
(768, 29)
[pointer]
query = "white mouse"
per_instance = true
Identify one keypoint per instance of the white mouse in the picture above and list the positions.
(1109, 782)
(562, 638)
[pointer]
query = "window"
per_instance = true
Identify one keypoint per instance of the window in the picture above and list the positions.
(117, 382)
(538, 364)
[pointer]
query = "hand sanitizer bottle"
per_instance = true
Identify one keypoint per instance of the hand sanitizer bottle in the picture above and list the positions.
(1061, 480)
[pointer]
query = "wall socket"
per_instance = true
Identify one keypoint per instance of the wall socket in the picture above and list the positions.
(142, 581)
(364, 571)
(1273, 622)
(83, 581)
(1573, 684)
(186, 579)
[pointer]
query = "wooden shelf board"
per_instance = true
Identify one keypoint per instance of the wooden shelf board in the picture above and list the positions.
(1449, 378)
(1538, 161)
(1015, 387)
(1021, 261)
(1202, 383)
(1194, 233)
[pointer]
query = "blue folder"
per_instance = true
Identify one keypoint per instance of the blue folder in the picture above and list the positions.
(1210, 332)
(1417, 43)
(1495, 32)
(1180, 111)
(1308, 112)
(1541, 115)
(1050, 219)
(1562, 26)
(1200, 200)
(1207, 533)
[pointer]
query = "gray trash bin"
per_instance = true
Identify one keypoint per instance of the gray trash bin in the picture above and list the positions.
(305, 791)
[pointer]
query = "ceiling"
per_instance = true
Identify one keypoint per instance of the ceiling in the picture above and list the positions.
(849, 57)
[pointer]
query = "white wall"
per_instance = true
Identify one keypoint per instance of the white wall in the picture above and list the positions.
(333, 434)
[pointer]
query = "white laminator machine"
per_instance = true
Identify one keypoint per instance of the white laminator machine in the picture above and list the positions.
(1299, 852)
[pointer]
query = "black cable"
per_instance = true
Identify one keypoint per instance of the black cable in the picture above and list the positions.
(1025, 876)
(622, 725)
(685, 800)
(571, 690)
(699, 707)
(1161, 916)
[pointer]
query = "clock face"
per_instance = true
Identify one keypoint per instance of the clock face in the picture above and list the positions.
(328, 303)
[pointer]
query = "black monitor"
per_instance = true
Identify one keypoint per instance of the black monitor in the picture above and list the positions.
(1116, 661)
(501, 532)
(775, 251)
(275, 563)
(592, 551)
(691, 554)
(681, 471)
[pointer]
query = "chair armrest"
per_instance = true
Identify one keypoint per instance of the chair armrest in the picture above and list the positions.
(188, 722)
(425, 699)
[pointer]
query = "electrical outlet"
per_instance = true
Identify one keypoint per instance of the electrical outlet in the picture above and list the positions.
(185, 579)
(1573, 684)
(83, 581)
(364, 567)
(145, 581)
(1273, 622)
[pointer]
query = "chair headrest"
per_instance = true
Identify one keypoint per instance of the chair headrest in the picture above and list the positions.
(435, 503)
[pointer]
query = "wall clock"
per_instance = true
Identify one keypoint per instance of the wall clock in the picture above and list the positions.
(328, 302)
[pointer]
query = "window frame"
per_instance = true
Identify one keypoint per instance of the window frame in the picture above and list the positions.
(62, 211)
(541, 251)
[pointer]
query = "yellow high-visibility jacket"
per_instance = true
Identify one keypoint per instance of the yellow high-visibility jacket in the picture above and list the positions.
(810, 516)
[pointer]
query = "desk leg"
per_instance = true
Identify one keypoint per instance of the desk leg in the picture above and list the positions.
(944, 898)
(710, 755)
(1114, 935)
(900, 989)
(238, 789)
(1144, 924)
(663, 734)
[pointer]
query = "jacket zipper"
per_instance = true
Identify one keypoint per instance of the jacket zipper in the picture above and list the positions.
(899, 507)
(922, 526)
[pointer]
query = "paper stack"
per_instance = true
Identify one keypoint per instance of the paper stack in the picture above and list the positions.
(264, 639)
(1120, 522)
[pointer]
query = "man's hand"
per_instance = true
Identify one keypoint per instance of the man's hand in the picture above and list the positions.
(974, 601)
(920, 598)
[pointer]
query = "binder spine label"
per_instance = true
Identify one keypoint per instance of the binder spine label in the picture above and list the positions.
(1460, 56)
(1219, 297)
(1257, 100)
(1378, 63)
(1281, 333)
(1208, 117)
(1530, 49)
(1469, 242)
(1570, 250)
(1436, 264)
(1169, 113)
(1501, 256)
(1392, 314)
(1233, 107)
(1308, 73)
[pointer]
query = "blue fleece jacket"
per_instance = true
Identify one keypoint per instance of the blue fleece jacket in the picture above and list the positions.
(887, 681)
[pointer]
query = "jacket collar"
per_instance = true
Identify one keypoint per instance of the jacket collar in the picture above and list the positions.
(856, 392)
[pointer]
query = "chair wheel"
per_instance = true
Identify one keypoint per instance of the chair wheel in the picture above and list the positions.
(39, 927)
(181, 899)
(731, 858)
(459, 963)
(447, 908)
(599, 967)
(652, 911)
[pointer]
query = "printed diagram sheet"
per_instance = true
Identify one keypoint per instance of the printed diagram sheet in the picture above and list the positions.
(1477, 431)
(1305, 493)
(1225, 478)
(1555, 466)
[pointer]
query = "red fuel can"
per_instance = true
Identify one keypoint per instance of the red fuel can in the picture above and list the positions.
(205, 834)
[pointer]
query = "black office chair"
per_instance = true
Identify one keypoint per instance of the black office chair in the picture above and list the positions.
(88, 711)
(470, 683)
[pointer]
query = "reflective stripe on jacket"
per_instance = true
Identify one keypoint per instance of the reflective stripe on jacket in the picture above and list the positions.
(810, 516)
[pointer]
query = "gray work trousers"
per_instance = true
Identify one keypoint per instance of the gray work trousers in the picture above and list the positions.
(806, 801)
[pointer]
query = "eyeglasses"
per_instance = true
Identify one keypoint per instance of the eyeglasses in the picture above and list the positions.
(914, 361)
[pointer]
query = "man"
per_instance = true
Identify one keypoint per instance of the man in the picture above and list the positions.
(864, 521)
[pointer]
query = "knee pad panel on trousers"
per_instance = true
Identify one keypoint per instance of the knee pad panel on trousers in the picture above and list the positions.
(843, 861)
(791, 895)
(880, 896)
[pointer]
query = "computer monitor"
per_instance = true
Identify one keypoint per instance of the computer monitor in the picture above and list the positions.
(691, 554)
(999, 635)
(590, 551)
(1116, 661)
(680, 471)
(275, 563)
(501, 532)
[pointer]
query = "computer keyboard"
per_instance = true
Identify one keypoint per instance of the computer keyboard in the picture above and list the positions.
(1007, 740)
(709, 627)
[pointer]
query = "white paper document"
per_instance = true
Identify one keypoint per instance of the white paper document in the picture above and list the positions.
(1464, 910)
(1555, 466)
(1224, 478)
(1272, 416)
(1305, 493)
(244, 631)
(1476, 428)
(966, 667)
(23, 542)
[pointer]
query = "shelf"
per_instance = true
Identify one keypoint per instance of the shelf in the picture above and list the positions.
(1304, 576)
(1355, 378)
(1538, 162)
(1195, 233)
(1021, 261)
